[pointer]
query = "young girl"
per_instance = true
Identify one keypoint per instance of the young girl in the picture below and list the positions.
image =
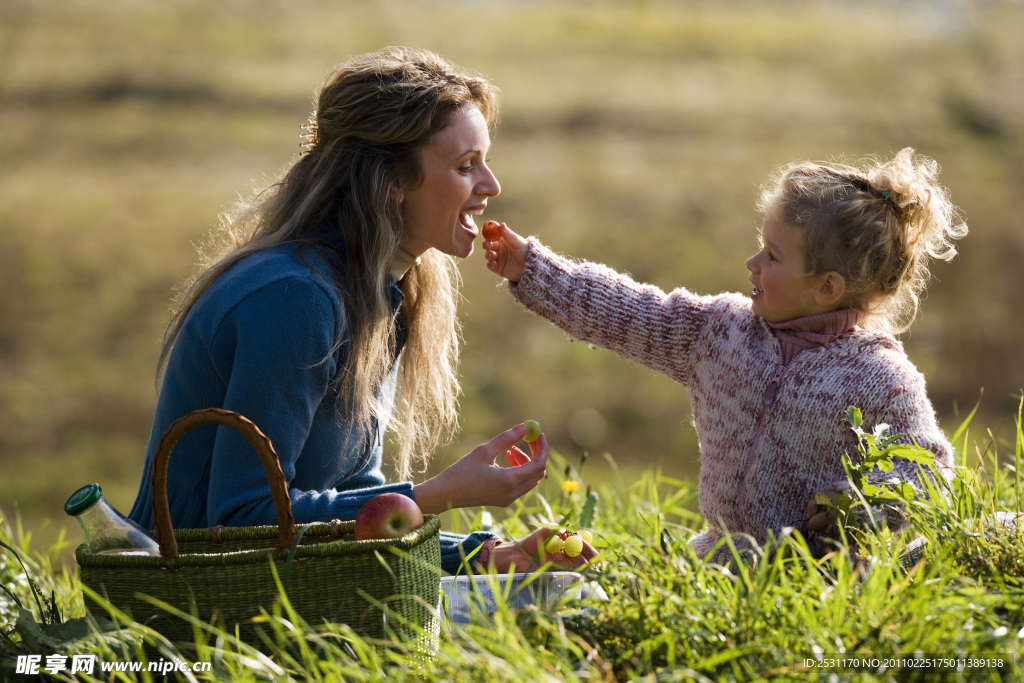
(844, 258)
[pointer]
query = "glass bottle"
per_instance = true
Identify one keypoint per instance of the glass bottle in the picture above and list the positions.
(107, 531)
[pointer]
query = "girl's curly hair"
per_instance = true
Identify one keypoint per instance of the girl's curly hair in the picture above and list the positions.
(876, 223)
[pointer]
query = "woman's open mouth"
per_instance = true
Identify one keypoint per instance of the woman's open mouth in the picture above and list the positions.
(466, 219)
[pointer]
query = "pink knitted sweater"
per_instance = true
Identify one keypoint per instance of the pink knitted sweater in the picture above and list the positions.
(771, 434)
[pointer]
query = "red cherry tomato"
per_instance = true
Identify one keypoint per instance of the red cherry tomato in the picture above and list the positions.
(491, 231)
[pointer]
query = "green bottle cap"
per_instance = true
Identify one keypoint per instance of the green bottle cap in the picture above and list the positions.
(82, 499)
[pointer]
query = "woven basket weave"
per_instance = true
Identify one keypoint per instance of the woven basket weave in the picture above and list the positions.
(381, 588)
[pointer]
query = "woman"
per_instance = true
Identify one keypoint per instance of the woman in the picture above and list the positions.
(329, 317)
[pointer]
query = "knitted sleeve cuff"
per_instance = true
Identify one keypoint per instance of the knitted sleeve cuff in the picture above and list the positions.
(546, 285)
(457, 550)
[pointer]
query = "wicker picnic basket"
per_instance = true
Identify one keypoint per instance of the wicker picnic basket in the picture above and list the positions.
(381, 588)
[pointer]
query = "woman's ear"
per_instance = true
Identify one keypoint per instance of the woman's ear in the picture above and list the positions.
(397, 194)
(830, 290)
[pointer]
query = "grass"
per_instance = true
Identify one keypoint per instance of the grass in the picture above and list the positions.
(668, 615)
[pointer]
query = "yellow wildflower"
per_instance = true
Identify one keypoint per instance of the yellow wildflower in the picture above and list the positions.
(569, 485)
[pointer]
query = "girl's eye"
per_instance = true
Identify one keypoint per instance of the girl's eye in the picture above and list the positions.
(771, 256)
(465, 169)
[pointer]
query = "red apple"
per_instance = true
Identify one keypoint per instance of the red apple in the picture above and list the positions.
(389, 515)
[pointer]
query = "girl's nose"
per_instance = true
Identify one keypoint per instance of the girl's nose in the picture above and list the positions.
(752, 263)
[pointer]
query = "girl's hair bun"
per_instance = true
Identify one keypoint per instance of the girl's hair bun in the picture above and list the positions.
(910, 183)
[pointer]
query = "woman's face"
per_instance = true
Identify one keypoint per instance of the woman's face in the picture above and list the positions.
(782, 291)
(455, 186)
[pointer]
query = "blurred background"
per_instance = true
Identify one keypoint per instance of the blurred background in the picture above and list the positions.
(632, 133)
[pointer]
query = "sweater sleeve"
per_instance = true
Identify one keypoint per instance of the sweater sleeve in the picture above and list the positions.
(597, 305)
(456, 549)
(283, 339)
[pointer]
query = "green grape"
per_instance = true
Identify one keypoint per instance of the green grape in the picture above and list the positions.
(573, 546)
(554, 544)
(532, 430)
(586, 535)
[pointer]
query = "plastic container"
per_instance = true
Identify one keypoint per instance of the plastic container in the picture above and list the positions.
(462, 596)
(107, 531)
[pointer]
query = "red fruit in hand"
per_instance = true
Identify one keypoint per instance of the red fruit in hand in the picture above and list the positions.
(387, 516)
(516, 457)
(491, 231)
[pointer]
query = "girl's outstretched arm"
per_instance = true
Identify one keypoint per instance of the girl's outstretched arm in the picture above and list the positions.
(595, 304)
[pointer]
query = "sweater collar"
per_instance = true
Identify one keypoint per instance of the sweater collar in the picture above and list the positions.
(402, 263)
(812, 331)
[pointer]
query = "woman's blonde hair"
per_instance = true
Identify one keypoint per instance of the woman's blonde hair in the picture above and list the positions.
(372, 117)
(876, 223)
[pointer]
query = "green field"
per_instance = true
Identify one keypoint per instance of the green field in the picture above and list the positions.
(634, 134)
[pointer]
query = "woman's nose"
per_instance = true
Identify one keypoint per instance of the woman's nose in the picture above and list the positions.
(489, 185)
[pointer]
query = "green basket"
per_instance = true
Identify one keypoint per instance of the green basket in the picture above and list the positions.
(381, 588)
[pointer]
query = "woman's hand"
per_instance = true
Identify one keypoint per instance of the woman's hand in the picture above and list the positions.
(528, 554)
(820, 518)
(477, 479)
(507, 256)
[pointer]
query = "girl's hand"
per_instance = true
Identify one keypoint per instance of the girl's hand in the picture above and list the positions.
(820, 518)
(507, 256)
(528, 554)
(477, 479)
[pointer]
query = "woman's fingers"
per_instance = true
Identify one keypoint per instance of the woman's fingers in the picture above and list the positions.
(502, 442)
(539, 449)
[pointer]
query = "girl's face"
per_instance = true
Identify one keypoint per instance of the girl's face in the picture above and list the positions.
(455, 185)
(782, 291)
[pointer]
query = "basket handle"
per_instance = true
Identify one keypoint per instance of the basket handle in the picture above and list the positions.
(260, 443)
